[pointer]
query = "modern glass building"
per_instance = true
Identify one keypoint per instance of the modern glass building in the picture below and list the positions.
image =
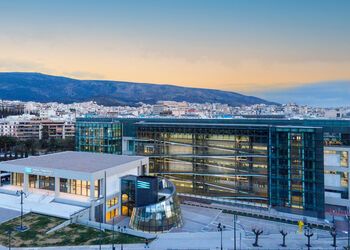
(296, 171)
(224, 162)
(265, 162)
(259, 165)
(104, 136)
(151, 203)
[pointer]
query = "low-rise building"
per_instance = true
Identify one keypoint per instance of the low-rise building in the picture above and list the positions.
(82, 181)
(29, 127)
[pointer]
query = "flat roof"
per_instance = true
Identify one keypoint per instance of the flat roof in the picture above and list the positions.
(181, 124)
(75, 161)
(143, 123)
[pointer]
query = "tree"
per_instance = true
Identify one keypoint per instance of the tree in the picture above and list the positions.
(308, 234)
(284, 234)
(257, 233)
(7, 143)
(32, 146)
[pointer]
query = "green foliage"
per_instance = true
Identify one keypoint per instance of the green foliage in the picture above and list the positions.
(7, 142)
(68, 236)
(12, 147)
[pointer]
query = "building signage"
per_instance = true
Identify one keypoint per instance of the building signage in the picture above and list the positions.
(28, 170)
(143, 185)
(38, 171)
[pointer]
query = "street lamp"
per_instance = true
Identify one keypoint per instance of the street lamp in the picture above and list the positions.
(21, 228)
(220, 229)
(234, 230)
(113, 239)
(333, 233)
(348, 220)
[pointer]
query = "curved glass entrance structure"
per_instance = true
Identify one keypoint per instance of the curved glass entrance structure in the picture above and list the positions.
(161, 216)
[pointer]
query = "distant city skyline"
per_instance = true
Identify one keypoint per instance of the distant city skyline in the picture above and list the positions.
(245, 46)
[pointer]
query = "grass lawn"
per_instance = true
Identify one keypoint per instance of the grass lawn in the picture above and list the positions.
(68, 236)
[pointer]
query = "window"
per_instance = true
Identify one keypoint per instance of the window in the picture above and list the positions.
(112, 202)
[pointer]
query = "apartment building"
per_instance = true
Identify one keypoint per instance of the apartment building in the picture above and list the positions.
(25, 128)
(7, 129)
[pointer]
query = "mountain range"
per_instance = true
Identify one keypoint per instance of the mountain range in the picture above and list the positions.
(47, 88)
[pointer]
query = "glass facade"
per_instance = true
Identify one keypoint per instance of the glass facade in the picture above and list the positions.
(42, 182)
(336, 132)
(17, 179)
(263, 165)
(70, 186)
(79, 187)
(112, 214)
(216, 161)
(102, 137)
(158, 217)
(112, 202)
(296, 170)
(128, 196)
(264, 162)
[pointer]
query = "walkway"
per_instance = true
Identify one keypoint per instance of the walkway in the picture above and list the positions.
(8, 214)
(271, 215)
(39, 204)
(211, 241)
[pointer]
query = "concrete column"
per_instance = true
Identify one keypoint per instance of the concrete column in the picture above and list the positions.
(25, 183)
(104, 197)
(92, 211)
(57, 186)
(92, 199)
(37, 181)
(120, 203)
(147, 169)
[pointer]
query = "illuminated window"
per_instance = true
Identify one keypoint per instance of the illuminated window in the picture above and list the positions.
(125, 197)
(112, 202)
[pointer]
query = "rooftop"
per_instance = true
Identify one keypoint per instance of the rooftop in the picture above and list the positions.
(75, 161)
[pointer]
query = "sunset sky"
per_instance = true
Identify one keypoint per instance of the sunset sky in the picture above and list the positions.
(246, 45)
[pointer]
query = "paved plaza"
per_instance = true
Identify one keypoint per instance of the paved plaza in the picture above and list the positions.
(211, 241)
(8, 214)
(200, 219)
(200, 233)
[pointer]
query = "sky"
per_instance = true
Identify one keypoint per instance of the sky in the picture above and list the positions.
(248, 46)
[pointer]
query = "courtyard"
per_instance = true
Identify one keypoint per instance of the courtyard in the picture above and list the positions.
(71, 235)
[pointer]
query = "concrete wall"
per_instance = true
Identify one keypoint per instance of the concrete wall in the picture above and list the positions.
(113, 182)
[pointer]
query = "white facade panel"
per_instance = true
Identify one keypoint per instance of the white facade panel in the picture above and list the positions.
(332, 160)
(332, 180)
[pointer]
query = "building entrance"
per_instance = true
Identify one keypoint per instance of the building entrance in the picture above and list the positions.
(42, 182)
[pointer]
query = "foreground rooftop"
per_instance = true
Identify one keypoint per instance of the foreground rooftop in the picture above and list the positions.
(75, 161)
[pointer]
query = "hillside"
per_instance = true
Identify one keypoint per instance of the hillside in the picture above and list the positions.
(46, 88)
